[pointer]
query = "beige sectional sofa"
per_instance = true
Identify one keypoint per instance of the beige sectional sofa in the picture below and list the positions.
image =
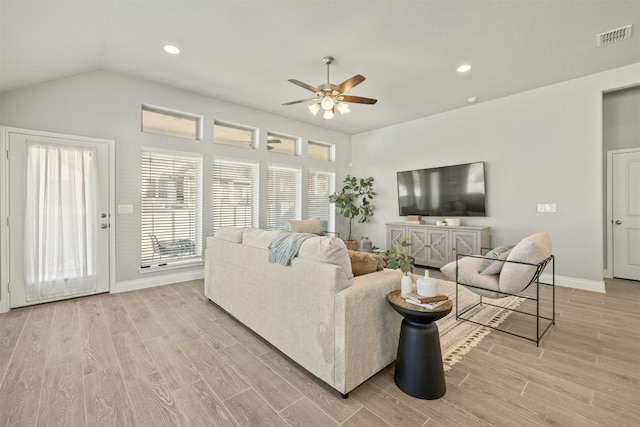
(338, 327)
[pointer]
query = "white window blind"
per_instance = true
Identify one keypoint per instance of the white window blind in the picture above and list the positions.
(171, 208)
(283, 196)
(235, 194)
(319, 186)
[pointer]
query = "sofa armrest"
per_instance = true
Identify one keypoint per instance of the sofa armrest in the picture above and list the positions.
(367, 328)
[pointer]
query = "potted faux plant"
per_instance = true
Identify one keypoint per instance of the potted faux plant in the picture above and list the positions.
(354, 201)
(399, 259)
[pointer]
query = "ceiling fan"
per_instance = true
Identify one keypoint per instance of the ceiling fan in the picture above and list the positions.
(331, 97)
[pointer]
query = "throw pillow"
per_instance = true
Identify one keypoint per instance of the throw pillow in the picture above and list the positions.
(230, 234)
(365, 263)
(494, 260)
(531, 250)
(306, 226)
(327, 249)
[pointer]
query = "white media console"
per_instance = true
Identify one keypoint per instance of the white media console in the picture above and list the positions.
(434, 245)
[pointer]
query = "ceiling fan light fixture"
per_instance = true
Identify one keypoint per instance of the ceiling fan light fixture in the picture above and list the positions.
(314, 108)
(342, 108)
(330, 97)
(328, 114)
(328, 103)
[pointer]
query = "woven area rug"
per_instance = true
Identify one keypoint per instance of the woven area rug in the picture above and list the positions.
(458, 337)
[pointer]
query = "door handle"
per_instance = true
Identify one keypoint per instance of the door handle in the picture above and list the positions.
(104, 225)
(618, 222)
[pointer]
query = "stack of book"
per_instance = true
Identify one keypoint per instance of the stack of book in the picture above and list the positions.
(427, 302)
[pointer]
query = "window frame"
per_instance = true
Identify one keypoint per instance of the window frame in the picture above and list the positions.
(298, 196)
(175, 114)
(191, 253)
(331, 150)
(331, 218)
(297, 143)
(237, 126)
(255, 190)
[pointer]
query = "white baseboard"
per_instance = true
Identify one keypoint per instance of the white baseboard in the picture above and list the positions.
(572, 282)
(132, 285)
(150, 282)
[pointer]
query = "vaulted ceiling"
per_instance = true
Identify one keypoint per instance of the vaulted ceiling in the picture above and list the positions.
(244, 51)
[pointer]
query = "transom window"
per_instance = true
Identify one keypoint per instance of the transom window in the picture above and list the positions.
(165, 121)
(282, 144)
(234, 135)
(320, 151)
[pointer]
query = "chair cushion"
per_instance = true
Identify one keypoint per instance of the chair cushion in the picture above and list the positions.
(494, 260)
(468, 274)
(533, 250)
(306, 226)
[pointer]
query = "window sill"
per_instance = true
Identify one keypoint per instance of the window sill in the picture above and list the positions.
(172, 265)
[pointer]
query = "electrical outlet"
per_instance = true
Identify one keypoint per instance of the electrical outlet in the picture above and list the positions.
(546, 207)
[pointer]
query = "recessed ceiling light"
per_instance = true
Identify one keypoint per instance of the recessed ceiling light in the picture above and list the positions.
(173, 50)
(472, 99)
(464, 68)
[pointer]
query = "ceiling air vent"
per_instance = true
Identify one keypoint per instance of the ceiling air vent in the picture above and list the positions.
(613, 36)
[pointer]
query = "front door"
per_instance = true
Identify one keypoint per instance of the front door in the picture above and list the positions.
(626, 215)
(58, 217)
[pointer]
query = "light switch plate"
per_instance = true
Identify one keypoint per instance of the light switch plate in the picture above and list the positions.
(125, 209)
(546, 207)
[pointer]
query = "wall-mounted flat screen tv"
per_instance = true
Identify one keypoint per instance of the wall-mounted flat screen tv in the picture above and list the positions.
(450, 191)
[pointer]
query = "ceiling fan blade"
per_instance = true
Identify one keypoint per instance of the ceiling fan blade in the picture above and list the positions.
(300, 101)
(357, 99)
(304, 85)
(349, 84)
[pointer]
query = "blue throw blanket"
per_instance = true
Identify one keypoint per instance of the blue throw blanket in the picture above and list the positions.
(286, 246)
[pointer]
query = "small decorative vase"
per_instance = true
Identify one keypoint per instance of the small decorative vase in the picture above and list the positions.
(405, 285)
(426, 287)
(365, 245)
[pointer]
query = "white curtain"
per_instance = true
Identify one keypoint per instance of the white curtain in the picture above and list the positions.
(60, 221)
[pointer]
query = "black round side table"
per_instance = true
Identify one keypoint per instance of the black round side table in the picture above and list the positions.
(419, 370)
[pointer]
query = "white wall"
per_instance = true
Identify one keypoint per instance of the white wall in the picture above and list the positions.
(540, 146)
(107, 105)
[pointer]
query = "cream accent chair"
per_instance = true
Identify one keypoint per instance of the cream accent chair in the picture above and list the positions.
(505, 272)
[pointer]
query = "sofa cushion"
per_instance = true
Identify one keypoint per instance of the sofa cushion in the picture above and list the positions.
(230, 234)
(327, 249)
(494, 260)
(365, 263)
(306, 226)
(257, 238)
(533, 250)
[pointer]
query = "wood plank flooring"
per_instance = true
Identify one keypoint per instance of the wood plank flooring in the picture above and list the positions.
(167, 356)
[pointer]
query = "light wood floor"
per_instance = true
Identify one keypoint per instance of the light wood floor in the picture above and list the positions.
(167, 356)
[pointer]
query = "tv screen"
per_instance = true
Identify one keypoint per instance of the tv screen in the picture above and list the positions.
(452, 191)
